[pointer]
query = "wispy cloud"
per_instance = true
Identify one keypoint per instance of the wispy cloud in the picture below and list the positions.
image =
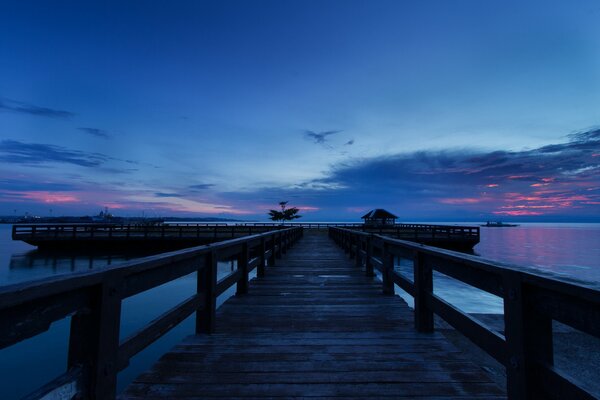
(349, 142)
(96, 132)
(15, 152)
(31, 109)
(201, 186)
(163, 194)
(38, 154)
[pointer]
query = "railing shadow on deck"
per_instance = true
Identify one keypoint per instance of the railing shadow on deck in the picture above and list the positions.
(531, 302)
(93, 301)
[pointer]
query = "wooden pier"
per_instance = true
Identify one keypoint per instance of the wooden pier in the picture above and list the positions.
(314, 323)
(180, 235)
(314, 326)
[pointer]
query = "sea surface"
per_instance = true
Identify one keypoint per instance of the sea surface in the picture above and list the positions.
(563, 250)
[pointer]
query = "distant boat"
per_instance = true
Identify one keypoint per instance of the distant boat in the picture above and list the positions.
(498, 224)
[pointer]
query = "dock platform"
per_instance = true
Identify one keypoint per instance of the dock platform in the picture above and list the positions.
(314, 326)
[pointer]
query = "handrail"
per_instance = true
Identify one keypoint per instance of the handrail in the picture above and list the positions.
(93, 300)
(131, 231)
(177, 230)
(531, 301)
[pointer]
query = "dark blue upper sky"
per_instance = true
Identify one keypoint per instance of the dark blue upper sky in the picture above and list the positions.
(433, 109)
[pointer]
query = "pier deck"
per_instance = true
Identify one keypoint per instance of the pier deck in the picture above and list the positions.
(314, 326)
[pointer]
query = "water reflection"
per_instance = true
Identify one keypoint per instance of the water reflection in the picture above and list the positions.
(563, 249)
(41, 263)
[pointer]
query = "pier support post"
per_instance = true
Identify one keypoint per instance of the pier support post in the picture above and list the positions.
(278, 242)
(528, 340)
(272, 244)
(243, 257)
(386, 274)
(284, 242)
(206, 287)
(94, 341)
(368, 263)
(260, 269)
(358, 252)
(423, 284)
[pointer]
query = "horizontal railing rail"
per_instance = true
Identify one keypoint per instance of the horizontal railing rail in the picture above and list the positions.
(399, 229)
(93, 301)
(310, 225)
(39, 234)
(531, 302)
(132, 231)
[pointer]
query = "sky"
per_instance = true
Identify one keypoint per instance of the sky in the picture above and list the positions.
(435, 110)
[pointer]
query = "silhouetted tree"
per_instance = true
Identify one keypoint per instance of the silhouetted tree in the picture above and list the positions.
(286, 214)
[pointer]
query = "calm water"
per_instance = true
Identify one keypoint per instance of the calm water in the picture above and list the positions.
(571, 250)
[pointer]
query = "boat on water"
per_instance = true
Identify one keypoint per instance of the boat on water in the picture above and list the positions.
(498, 224)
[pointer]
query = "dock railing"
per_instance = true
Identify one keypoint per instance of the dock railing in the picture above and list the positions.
(93, 301)
(531, 302)
(187, 230)
(108, 231)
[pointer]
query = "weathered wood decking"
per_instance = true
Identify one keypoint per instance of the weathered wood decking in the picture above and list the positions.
(314, 326)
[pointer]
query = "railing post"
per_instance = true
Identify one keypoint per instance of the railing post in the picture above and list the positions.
(528, 340)
(260, 269)
(284, 244)
(278, 241)
(206, 287)
(423, 284)
(357, 252)
(242, 284)
(388, 267)
(368, 263)
(94, 341)
(272, 257)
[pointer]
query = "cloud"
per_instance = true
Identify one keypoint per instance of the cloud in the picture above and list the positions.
(25, 108)
(15, 152)
(556, 179)
(37, 154)
(349, 142)
(163, 194)
(319, 137)
(96, 132)
(201, 186)
(31, 184)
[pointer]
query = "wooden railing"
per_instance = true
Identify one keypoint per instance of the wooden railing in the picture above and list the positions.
(93, 300)
(308, 225)
(418, 231)
(531, 302)
(40, 234)
(132, 231)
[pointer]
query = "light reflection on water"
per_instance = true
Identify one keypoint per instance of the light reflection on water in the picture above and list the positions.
(571, 250)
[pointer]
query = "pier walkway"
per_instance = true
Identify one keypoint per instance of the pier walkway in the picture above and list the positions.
(314, 326)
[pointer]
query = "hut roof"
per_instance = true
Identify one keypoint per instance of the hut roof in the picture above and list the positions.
(378, 213)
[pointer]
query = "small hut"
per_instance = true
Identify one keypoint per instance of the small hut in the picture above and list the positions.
(378, 217)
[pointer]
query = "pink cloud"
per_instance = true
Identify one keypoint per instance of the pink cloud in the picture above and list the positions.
(464, 200)
(307, 208)
(515, 213)
(43, 196)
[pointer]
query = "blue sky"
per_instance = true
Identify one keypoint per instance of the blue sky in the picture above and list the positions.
(440, 110)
